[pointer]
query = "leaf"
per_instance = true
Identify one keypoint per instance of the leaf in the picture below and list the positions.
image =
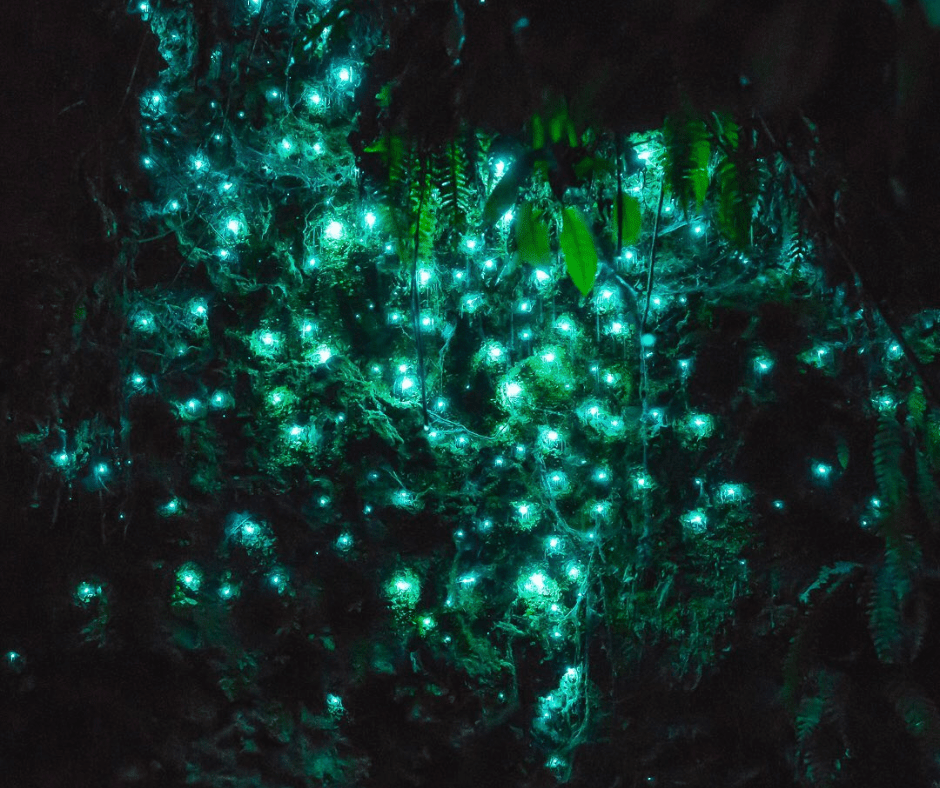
(734, 202)
(627, 216)
(843, 453)
(532, 236)
(538, 133)
(577, 245)
(698, 170)
(887, 453)
(455, 191)
(917, 406)
(688, 151)
(504, 194)
(841, 570)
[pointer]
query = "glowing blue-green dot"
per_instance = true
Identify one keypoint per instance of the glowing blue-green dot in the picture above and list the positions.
(822, 471)
(334, 230)
(86, 592)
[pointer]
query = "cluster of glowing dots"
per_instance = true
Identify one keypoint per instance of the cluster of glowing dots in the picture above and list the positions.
(731, 493)
(189, 578)
(86, 592)
(404, 589)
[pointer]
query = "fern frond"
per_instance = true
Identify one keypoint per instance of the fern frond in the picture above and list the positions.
(688, 150)
(932, 441)
(820, 729)
(887, 452)
(735, 200)
(919, 714)
(453, 182)
(917, 406)
(830, 578)
(424, 219)
(808, 717)
(928, 492)
(897, 617)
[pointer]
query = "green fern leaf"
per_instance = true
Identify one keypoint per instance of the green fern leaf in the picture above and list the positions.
(888, 449)
(454, 188)
(735, 204)
(917, 406)
(928, 493)
(808, 717)
(830, 578)
(918, 712)
(897, 617)
(688, 151)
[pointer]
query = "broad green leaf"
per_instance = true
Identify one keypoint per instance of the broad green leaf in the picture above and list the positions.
(627, 217)
(843, 453)
(538, 133)
(577, 245)
(532, 236)
(504, 194)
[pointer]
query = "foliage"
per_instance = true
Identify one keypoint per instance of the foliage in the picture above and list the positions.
(380, 497)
